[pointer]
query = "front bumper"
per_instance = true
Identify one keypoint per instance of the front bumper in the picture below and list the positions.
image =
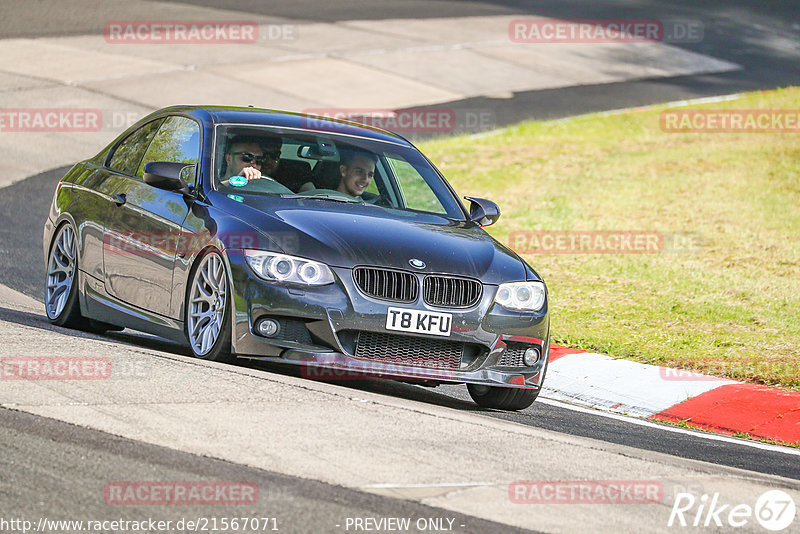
(321, 327)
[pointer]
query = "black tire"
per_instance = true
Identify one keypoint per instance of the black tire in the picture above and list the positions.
(220, 350)
(70, 315)
(501, 398)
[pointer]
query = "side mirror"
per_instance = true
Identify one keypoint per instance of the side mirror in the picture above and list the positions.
(483, 212)
(167, 175)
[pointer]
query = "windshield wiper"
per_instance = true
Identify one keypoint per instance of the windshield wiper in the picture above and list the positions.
(335, 198)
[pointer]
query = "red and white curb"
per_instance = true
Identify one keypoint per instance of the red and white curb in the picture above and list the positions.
(666, 394)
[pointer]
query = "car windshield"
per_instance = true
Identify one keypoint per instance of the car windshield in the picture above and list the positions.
(327, 167)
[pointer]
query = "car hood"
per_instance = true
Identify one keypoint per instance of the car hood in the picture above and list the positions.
(368, 235)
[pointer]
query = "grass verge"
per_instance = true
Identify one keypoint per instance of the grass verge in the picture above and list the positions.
(740, 435)
(728, 305)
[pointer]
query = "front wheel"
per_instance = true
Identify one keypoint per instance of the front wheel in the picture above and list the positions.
(501, 398)
(207, 308)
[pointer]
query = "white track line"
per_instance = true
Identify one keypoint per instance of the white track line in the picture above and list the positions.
(670, 428)
(442, 485)
(673, 104)
(621, 111)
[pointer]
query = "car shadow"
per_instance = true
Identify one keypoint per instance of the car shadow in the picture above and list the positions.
(126, 337)
(132, 338)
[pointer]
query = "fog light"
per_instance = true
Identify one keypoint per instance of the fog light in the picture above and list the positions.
(531, 356)
(268, 327)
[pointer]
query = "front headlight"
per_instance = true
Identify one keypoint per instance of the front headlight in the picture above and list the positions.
(521, 296)
(277, 267)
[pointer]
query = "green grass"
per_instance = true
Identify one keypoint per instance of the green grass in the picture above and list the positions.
(745, 435)
(731, 307)
(741, 435)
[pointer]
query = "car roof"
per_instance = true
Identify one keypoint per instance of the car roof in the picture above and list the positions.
(286, 119)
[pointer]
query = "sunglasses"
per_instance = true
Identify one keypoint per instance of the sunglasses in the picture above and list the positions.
(247, 157)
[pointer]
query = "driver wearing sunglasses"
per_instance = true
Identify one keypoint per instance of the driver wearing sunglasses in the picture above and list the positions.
(252, 157)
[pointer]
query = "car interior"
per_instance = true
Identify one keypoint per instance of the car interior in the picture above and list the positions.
(304, 167)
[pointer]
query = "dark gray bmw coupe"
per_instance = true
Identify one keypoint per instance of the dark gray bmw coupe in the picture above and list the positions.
(298, 239)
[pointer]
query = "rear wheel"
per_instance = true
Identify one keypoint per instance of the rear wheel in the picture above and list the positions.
(61, 288)
(207, 316)
(61, 292)
(501, 398)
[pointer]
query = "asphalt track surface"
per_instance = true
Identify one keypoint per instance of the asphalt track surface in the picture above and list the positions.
(86, 460)
(762, 37)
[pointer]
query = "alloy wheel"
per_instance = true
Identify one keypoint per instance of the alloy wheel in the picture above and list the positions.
(207, 301)
(60, 272)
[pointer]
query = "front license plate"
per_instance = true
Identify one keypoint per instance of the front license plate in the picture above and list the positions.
(421, 322)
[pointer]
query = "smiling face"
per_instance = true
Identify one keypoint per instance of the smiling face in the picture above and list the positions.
(357, 174)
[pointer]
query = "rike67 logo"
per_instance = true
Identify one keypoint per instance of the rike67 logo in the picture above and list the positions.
(774, 510)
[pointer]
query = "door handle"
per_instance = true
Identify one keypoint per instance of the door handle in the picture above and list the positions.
(120, 199)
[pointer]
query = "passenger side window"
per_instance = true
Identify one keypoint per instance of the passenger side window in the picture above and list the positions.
(177, 140)
(128, 154)
(418, 195)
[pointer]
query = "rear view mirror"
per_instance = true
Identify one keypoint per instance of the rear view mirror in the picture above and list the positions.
(324, 149)
(308, 152)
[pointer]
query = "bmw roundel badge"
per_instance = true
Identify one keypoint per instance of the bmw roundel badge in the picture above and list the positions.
(417, 264)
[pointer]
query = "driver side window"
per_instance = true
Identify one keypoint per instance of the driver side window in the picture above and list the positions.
(177, 140)
(129, 152)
